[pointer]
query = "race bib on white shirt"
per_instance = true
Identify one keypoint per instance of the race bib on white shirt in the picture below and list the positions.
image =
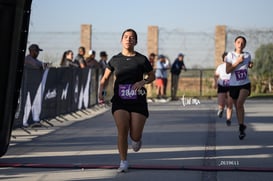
(240, 75)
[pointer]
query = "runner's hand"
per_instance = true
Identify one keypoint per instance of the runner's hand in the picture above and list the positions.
(138, 85)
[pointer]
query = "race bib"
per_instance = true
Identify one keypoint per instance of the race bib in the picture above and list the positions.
(241, 74)
(226, 82)
(125, 92)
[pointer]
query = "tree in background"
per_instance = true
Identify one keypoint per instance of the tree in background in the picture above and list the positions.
(262, 69)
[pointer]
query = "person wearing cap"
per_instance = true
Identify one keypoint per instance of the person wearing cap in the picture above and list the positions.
(161, 76)
(31, 60)
(91, 62)
(176, 68)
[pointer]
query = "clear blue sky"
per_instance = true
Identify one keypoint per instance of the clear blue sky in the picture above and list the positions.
(117, 15)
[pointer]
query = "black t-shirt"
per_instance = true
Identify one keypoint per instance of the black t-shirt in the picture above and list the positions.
(129, 70)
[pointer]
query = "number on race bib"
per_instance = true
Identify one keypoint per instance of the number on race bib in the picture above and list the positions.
(241, 74)
(125, 92)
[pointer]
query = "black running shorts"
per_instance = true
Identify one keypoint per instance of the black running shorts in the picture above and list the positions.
(234, 91)
(141, 108)
(222, 89)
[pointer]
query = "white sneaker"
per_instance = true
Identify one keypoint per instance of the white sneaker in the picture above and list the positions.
(136, 145)
(220, 113)
(123, 167)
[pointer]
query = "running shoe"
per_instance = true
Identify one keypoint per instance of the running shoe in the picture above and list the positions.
(123, 167)
(136, 145)
(228, 122)
(220, 113)
(242, 131)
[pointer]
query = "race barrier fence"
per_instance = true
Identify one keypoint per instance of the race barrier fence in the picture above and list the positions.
(48, 93)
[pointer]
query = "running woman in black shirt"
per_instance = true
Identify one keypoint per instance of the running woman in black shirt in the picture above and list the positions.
(129, 105)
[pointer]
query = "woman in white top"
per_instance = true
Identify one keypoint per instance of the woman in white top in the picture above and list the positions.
(237, 63)
(221, 79)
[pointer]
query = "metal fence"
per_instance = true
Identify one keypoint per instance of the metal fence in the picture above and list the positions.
(192, 83)
(255, 38)
(198, 48)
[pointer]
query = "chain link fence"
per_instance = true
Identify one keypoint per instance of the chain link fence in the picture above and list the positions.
(198, 48)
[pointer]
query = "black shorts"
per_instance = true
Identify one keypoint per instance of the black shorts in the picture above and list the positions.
(234, 91)
(141, 108)
(222, 89)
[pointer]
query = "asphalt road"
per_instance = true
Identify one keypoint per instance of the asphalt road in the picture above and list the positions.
(182, 140)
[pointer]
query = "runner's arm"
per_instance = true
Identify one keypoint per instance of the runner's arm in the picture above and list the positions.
(231, 66)
(103, 81)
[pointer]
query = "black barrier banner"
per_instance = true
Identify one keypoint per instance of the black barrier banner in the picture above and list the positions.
(76, 79)
(64, 90)
(34, 84)
(49, 96)
(84, 89)
(52, 92)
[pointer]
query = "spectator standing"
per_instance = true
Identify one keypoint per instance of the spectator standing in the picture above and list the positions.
(176, 68)
(79, 59)
(31, 60)
(221, 82)
(152, 59)
(167, 66)
(91, 61)
(103, 61)
(150, 86)
(161, 76)
(67, 59)
(102, 66)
